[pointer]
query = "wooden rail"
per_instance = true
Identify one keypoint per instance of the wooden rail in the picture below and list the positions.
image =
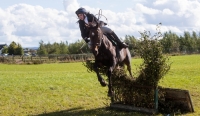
(46, 58)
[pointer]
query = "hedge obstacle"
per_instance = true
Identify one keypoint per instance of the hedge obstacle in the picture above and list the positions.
(143, 93)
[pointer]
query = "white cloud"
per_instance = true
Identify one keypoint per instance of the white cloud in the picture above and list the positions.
(27, 24)
(146, 10)
(159, 2)
(168, 12)
(71, 5)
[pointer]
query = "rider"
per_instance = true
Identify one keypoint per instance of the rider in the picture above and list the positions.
(85, 18)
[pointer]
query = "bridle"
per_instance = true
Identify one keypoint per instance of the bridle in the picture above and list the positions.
(100, 36)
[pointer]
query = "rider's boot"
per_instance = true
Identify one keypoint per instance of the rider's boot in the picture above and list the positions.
(111, 38)
(118, 41)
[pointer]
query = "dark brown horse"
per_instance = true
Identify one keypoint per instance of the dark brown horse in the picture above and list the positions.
(105, 54)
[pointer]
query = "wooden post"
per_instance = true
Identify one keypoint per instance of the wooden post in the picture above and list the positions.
(156, 98)
(112, 99)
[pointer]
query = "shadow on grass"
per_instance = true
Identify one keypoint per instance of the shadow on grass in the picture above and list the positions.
(79, 111)
(104, 111)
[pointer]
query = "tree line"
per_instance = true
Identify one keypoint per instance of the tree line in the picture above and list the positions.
(187, 43)
(62, 48)
(13, 49)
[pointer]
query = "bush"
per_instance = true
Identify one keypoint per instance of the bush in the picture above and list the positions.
(155, 65)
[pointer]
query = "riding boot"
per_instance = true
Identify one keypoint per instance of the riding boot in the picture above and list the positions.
(118, 41)
(110, 37)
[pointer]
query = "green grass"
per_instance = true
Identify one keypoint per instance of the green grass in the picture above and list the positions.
(185, 74)
(68, 89)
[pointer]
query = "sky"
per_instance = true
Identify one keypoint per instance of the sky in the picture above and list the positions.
(28, 22)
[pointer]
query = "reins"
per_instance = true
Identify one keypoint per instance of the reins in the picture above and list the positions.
(100, 15)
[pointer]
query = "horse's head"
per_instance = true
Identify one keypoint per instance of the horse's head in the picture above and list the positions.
(96, 36)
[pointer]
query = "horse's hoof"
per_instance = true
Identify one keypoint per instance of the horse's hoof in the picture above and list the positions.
(103, 84)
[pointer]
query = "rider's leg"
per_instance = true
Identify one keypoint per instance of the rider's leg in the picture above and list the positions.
(118, 41)
(107, 31)
(113, 36)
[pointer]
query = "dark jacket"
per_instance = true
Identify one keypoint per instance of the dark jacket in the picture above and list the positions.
(82, 26)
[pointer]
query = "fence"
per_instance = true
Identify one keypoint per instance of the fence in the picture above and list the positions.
(46, 58)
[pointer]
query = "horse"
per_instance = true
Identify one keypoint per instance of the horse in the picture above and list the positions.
(106, 54)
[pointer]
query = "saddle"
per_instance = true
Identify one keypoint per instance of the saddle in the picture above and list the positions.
(101, 23)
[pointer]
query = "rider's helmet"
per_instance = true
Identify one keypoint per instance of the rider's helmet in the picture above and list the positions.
(81, 11)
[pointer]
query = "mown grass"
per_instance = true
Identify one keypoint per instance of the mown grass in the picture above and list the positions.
(68, 89)
(185, 74)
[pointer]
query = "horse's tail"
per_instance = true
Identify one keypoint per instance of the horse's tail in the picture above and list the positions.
(128, 54)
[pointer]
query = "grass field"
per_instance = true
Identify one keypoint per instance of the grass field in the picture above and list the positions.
(68, 89)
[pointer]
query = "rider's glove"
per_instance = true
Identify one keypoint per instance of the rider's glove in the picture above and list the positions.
(86, 39)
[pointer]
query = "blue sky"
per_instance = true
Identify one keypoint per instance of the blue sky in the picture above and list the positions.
(29, 21)
(117, 5)
(57, 4)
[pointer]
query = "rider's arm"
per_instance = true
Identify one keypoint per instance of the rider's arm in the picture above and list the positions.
(84, 32)
(91, 17)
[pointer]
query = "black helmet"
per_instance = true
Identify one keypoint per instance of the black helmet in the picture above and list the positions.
(81, 11)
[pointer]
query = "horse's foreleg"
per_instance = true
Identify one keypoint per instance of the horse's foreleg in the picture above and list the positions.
(109, 73)
(110, 92)
(100, 79)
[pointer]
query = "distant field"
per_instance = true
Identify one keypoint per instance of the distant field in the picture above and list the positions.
(68, 89)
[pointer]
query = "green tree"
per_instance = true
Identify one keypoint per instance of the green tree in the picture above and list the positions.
(74, 48)
(11, 48)
(195, 41)
(132, 44)
(198, 43)
(63, 48)
(53, 49)
(19, 50)
(189, 42)
(42, 50)
(170, 42)
(5, 49)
